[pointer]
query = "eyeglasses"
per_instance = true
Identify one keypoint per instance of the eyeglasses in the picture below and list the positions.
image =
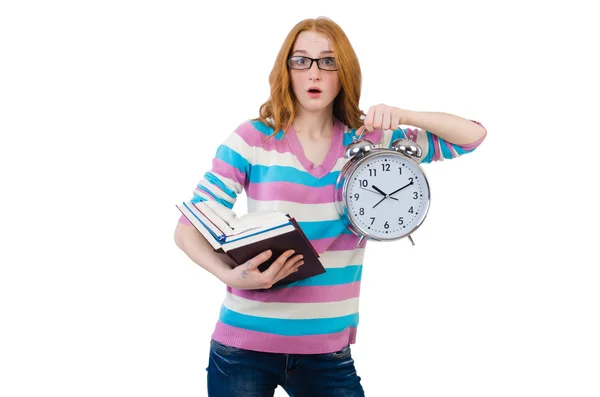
(303, 63)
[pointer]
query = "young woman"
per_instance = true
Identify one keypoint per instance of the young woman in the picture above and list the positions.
(298, 336)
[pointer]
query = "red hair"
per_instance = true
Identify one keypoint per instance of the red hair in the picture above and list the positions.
(279, 111)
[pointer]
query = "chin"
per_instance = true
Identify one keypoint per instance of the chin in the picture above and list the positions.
(315, 106)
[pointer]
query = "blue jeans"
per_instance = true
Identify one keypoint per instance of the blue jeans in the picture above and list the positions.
(234, 372)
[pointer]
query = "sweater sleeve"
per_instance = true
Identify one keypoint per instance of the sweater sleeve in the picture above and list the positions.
(230, 171)
(434, 148)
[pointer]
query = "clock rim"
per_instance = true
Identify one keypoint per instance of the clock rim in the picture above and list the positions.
(342, 187)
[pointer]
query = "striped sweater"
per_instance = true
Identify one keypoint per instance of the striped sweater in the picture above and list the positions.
(319, 314)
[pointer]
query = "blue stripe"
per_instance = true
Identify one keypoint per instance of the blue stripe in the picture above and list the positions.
(288, 327)
(279, 173)
(333, 276)
(445, 151)
(197, 199)
(233, 158)
(265, 129)
(216, 181)
(349, 136)
(324, 229)
(430, 151)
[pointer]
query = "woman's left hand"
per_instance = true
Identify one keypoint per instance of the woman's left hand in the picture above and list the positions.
(384, 117)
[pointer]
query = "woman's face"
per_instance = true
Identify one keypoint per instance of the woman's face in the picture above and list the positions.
(313, 45)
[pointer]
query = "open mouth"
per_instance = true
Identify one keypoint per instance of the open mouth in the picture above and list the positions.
(314, 91)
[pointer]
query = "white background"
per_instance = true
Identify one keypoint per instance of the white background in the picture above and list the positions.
(110, 112)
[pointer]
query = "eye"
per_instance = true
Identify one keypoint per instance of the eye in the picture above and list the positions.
(299, 60)
(329, 61)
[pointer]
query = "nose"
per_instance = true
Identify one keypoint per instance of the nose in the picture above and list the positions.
(314, 73)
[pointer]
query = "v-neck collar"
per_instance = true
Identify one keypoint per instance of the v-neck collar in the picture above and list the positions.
(332, 154)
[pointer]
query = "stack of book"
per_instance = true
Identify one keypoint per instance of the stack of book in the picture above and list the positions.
(238, 239)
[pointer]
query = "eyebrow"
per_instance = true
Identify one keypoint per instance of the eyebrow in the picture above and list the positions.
(321, 53)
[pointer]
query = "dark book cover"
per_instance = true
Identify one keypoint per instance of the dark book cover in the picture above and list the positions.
(295, 239)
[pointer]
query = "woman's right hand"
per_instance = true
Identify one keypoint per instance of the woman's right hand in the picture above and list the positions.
(247, 275)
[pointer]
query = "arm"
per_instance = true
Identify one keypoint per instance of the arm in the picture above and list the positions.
(191, 242)
(440, 135)
(221, 186)
(450, 128)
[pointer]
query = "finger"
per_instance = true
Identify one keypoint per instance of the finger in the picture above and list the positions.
(369, 119)
(387, 120)
(277, 264)
(378, 119)
(395, 121)
(288, 267)
(291, 270)
(259, 259)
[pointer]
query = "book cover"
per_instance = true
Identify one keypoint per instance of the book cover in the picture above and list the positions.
(277, 238)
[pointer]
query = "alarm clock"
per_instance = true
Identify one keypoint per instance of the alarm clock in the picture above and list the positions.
(382, 194)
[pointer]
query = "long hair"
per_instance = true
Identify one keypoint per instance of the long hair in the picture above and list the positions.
(279, 111)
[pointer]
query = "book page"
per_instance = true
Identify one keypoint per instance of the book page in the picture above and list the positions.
(256, 220)
(258, 237)
(230, 224)
(196, 220)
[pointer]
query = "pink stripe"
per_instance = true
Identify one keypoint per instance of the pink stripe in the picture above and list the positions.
(411, 133)
(272, 343)
(345, 242)
(247, 132)
(473, 145)
(256, 138)
(220, 167)
(290, 191)
(330, 293)
(184, 220)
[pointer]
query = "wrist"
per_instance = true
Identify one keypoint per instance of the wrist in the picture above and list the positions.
(408, 117)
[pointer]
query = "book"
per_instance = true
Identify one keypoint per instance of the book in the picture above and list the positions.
(238, 239)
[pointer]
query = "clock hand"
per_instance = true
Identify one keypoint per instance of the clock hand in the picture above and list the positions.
(380, 201)
(379, 190)
(368, 190)
(396, 191)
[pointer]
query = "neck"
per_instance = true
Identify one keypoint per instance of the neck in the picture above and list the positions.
(315, 125)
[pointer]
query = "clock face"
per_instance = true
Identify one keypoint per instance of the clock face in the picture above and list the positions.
(387, 196)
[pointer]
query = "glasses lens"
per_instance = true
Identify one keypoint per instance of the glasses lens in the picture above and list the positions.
(299, 63)
(328, 64)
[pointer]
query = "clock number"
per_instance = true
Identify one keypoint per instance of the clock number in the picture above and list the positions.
(386, 225)
(411, 210)
(356, 196)
(372, 172)
(400, 221)
(410, 179)
(400, 169)
(372, 220)
(362, 211)
(386, 167)
(364, 183)
(415, 195)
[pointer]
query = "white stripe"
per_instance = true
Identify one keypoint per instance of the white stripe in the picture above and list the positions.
(422, 141)
(291, 310)
(339, 259)
(262, 156)
(301, 212)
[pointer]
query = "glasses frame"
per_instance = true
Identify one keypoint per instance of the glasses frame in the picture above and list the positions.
(311, 63)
